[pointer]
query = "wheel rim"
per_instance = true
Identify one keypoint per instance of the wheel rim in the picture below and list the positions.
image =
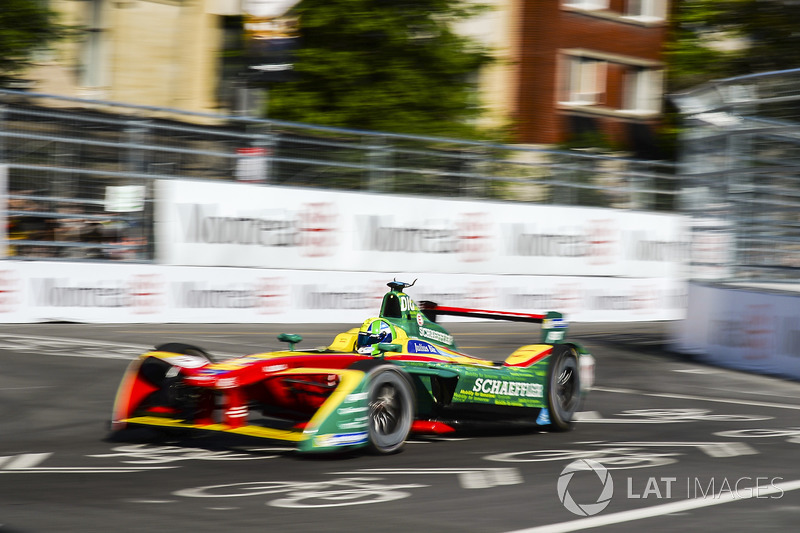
(565, 388)
(385, 410)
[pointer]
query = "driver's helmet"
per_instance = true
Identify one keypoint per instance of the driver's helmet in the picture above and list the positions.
(372, 333)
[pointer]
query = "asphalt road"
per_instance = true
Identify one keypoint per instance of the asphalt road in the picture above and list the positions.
(664, 444)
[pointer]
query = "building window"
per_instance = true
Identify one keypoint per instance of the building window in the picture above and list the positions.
(586, 4)
(585, 81)
(643, 90)
(647, 10)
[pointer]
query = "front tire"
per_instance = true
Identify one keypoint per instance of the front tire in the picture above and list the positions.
(184, 349)
(563, 387)
(391, 409)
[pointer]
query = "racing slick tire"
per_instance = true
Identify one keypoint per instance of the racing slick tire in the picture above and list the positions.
(161, 374)
(563, 387)
(390, 399)
(184, 349)
(156, 371)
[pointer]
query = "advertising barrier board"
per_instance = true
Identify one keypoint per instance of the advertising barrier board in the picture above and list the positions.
(207, 223)
(38, 291)
(748, 329)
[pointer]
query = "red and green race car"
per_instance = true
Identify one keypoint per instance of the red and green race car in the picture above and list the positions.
(398, 373)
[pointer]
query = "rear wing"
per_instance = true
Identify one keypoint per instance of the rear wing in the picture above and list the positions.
(554, 327)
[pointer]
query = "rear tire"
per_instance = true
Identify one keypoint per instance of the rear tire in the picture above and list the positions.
(563, 387)
(390, 399)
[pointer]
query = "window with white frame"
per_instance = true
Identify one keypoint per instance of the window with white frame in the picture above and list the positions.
(585, 81)
(647, 10)
(643, 89)
(586, 4)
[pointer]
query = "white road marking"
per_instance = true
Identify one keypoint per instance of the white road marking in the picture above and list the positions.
(468, 478)
(70, 347)
(663, 416)
(699, 398)
(777, 393)
(712, 449)
(662, 509)
(595, 417)
(26, 463)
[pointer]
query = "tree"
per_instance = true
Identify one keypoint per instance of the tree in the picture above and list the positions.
(26, 27)
(715, 39)
(383, 65)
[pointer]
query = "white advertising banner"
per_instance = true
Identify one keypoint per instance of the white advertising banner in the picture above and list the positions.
(746, 329)
(34, 291)
(207, 223)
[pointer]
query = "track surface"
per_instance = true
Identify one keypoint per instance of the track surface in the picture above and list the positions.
(684, 445)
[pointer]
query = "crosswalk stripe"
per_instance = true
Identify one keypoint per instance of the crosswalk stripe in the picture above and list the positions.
(24, 461)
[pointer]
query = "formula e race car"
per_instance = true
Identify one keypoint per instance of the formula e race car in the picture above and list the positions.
(399, 373)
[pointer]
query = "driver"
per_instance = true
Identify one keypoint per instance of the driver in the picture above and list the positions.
(372, 333)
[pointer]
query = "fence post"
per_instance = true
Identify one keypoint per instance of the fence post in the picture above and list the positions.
(2, 138)
(376, 162)
(140, 235)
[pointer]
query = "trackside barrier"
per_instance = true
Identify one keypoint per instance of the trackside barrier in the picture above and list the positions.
(741, 188)
(80, 173)
(751, 327)
(207, 223)
(37, 291)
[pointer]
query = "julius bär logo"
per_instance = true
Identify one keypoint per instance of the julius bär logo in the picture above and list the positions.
(595, 469)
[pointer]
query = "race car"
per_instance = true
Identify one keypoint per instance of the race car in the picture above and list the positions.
(399, 373)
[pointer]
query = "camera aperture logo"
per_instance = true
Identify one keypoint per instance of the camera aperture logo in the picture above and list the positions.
(596, 469)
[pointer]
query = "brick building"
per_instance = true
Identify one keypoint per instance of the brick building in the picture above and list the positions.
(566, 67)
(590, 66)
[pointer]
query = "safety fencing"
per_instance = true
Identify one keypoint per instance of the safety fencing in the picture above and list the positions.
(741, 181)
(80, 173)
(740, 174)
(240, 252)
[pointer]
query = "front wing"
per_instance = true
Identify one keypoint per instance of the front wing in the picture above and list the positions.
(341, 420)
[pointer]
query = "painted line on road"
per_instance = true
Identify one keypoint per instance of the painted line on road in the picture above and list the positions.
(468, 478)
(661, 510)
(26, 463)
(72, 340)
(712, 449)
(699, 398)
(49, 344)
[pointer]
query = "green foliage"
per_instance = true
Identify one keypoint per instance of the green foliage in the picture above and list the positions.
(383, 65)
(715, 39)
(26, 27)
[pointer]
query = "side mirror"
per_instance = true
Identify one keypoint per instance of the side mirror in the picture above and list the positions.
(387, 347)
(291, 338)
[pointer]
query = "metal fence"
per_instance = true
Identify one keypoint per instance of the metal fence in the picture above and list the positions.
(80, 173)
(740, 170)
